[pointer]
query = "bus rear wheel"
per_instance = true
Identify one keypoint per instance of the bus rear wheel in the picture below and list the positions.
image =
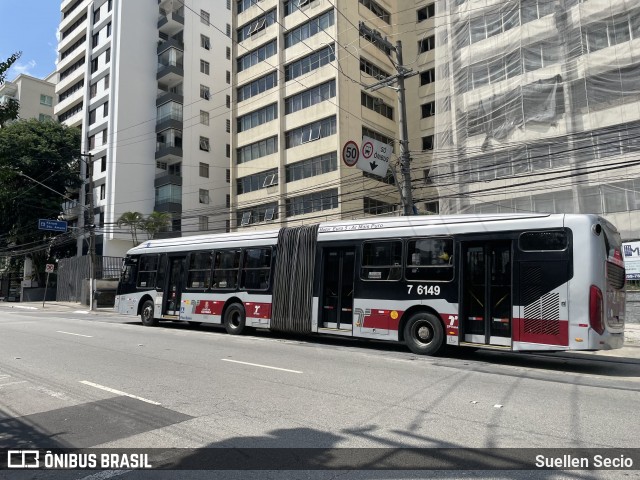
(424, 334)
(146, 314)
(234, 319)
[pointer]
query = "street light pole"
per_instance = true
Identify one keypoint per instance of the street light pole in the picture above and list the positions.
(92, 233)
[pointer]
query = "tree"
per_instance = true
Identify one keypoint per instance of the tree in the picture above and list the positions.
(133, 220)
(38, 163)
(155, 222)
(9, 110)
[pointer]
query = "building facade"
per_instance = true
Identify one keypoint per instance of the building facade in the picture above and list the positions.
(538, 108)
(36, 96)
(302, 73)
(148, 83)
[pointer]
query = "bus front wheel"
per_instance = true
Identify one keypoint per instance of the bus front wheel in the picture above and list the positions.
(424, 334)
(234, 319)
(146, 314)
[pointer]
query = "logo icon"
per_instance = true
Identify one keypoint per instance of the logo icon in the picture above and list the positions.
(23, 459)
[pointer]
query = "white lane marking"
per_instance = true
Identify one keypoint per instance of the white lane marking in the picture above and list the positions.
(76, 334)
(12, 383)
(81, 311)
(24, 307)
(261, 366)
(118, 392)
(105, 474)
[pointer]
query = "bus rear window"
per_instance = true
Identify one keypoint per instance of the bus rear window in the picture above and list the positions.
(544, 241)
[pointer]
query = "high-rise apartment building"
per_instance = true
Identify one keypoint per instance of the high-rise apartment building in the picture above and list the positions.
(301, 70)
(148, 83)
(36, 96)
(538, 108)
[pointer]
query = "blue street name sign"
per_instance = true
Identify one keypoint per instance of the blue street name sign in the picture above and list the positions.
(54, 225)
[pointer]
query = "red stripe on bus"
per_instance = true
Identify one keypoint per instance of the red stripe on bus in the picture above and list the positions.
(258, 310)
(382, 319)
(543, 331)
(208, 307)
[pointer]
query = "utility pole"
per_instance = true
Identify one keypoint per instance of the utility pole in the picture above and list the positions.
(92, 233)
(405, 158)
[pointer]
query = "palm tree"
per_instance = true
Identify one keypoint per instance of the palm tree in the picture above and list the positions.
(133, 220)
(155, 222)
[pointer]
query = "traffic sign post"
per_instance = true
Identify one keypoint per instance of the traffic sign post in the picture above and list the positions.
(375, 157)
(52, 225)
(49, 269)
(350, 153)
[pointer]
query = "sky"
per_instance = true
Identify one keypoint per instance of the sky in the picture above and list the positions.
(29, 26)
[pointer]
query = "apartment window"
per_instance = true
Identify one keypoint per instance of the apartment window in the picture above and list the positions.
(367, 132)
(228, 175)
(94, 40)
(427, 12)
(310, 97)
(309, 63)
(228, 30)
(228, 4)
(204, 67)
(228, 151)
(291, 6)
(92, 142)
(43, 118)
(372, 206)
(103, 164)
(257, 181)
(260, 213)
(256, 150)
(257, 117)
(427, 142)
(313, 202)
(377, 10)
(203, 223)
(107, 55)
(257, 87)
(103, 191)
(425, 176)
(256, 56)
(308, 29)
(428, 109)
(537, 56)
(372, 70)
(94, 65)
(105, 109)
(104, 136)
(242, 5)
(228, 77)
(228, 101)
(205, 42)
(428, 76)
(106, 81)
(228, 53)
(108, 29)
(227, 201)
(310, 132)
(204, 17)
(204, 92)
(96, 16)
(203, 196)
(377, 105)
(109, 5)
(93, 90)
(46, 100)
(312, 167)
(204, 170)
(228, 123)
(380, 46)
(204, 144)
(204, 117)
(256, 25)
(427, 44)
(92, 117)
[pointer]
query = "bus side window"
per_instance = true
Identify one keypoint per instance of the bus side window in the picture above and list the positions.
(381, 260)
(256, 267)
(148, 267)
(225, 273)
(430, 259)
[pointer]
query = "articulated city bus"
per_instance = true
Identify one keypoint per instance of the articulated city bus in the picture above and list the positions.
(518, 282)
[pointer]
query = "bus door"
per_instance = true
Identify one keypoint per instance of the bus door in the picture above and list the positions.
(173, 293)
(337, 288)
(486, 310)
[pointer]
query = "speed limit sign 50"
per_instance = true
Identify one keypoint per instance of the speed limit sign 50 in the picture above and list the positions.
(350, 153)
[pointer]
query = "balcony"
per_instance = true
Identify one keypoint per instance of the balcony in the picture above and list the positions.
(171, 22)
(169, 151)
(168, 43)
(171, 120)
(170, 72)
(165, 97)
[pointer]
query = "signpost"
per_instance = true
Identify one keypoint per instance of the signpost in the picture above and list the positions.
(375, 157)
(632, 260)
(49, 269)
(52, 225)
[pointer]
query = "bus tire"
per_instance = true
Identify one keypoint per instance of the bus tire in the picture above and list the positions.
(235, 319)
(146, 314)
(424, 334)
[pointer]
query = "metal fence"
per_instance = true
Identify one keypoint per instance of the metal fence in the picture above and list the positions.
(72, 271)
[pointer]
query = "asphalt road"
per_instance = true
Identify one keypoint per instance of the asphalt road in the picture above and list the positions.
(72, 380)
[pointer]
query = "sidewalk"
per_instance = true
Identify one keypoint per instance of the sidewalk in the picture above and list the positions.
(631, 347)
